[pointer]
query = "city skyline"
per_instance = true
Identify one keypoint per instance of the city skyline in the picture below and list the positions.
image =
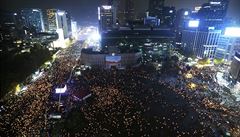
(86, 10)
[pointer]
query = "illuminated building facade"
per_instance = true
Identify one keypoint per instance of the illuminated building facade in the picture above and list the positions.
(166, 14)
(105, 17)
(58, 19)
(33, 18)
(105, 60)
(155, 7)
(182, 18)
(123, 11)
(74, 28)
(226, 48)
(201, 43)
(62, 22)
(69, 24)
(235, 67)
(168, 17)
(213, 13)
(51, 18)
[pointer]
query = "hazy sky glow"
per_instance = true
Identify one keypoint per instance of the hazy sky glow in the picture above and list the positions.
(86, 10)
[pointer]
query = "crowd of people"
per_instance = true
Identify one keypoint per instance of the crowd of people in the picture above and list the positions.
(132, 103)
(198, 85)
(26, 114)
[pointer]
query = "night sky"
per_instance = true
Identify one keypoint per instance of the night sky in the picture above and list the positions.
(86, 10)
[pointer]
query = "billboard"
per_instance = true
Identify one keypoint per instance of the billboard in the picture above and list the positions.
(113, 59)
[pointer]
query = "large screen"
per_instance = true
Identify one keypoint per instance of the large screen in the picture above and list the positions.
(113, 59)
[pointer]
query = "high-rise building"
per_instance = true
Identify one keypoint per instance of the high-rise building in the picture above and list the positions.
(124, 11)
(202, 43)
(182, 18)
(155, 7)
(167, 17)
(74, 28)
(105, 17)
(235, 67)
(33, 18)
(45, 20)
(9, 29)
(166, 14)
(69, 24)
(51, 18)
(62, 22)
(58, 19)
(213, 13)
(227, 46)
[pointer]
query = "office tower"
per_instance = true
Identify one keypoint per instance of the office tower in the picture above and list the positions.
(213, 13)
(45, 20)
(166, 14)
(235, 67)
(69, 27)
(62, 22)
(74, 28)
(105, 17)
(33, 18)
(124, 11)
(228, 44)
(167, 17)
(202, 43)
(182, 18)
(51, 18)
(155, 7)
(9, 30)
(58, 19)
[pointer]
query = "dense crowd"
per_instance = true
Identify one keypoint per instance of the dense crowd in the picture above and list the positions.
(132, 103)
(27, 113)
(206, 96)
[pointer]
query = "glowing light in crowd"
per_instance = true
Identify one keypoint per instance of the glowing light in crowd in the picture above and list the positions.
(192, 86)
(188, 75)
(17, 89)
(61, 90)
(186, 13)
(232, 31)
(193, 23)
(36, 75)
